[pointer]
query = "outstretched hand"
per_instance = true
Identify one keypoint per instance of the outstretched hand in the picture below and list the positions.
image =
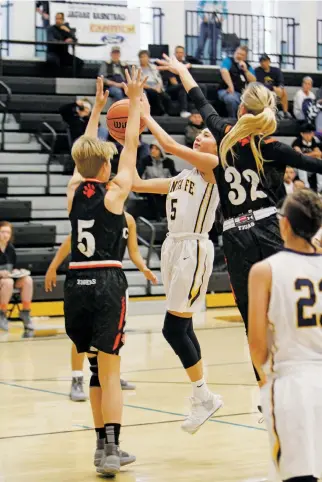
(134, 87)
(101, 97)
(171, 64)
(144, 106)
(150, 276)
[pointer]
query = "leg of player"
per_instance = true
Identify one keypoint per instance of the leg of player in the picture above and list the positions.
(112, 407)
(77, 393)
(25, 285)
(95, 393)
(179, 333)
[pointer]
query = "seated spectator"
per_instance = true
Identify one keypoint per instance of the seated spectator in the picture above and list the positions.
(194, 127)
(298, 185)
(154, 89)
(8, 282)
(175, 88)
(57, 55)
(153, 166)
(307, 144)
(289, 177)
(76, 115)
(236, 73)
(272, 78)
(301, 95)
(114, 74)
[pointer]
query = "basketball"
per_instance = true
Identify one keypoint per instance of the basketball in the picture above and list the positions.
(116, 119)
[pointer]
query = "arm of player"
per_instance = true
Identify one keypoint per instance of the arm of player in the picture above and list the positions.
(202, 161)
(121, 185)
(100, 102)
(288, 156)
(259, 286)
(134, 252)
(60, 256)
(216, 125)
(151, 186)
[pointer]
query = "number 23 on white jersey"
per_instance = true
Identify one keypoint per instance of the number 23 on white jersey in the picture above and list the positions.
(238, 194)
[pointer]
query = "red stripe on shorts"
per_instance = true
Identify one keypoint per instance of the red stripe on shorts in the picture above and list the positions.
(121, 324)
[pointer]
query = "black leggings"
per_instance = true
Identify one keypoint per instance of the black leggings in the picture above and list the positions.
(245, 248)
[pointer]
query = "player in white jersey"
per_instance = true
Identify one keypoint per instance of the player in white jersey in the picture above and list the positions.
(285, 338)
(187, 256)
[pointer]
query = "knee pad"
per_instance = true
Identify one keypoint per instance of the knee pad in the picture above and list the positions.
(175, 331)
(94, 381)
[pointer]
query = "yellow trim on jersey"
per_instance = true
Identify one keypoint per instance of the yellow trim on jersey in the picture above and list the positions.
(194, 290)
(203, 207)
(221, 300)
(277, 446)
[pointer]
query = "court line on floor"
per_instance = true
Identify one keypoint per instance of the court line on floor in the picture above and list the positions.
(138, 407)
(129, 331)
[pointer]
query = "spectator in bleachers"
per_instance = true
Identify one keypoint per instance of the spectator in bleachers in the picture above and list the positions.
(11, 278)
(307, 144)
(236, 73)
(194, 127)
(114, 74)
(154, 166)
(301, 95)
(273, 79)
(289, 177)
(58, 56)
(154, 89)
(210, 27)
(298, 185)
(175, 88)
(76, 115)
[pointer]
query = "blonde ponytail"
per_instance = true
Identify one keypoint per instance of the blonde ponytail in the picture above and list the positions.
(260, 122)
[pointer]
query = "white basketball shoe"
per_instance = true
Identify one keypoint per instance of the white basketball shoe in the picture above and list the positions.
(201, 411)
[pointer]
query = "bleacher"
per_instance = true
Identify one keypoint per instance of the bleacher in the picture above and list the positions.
(39, 214)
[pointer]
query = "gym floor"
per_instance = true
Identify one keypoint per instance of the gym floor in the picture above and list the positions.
(46, 437)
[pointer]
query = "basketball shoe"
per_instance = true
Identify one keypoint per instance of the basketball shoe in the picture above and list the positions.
(125, 458)
(110, 463)
(201, 411)
(77, 393)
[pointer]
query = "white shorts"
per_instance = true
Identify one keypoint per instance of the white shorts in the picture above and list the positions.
(186, 266)
(292, 408)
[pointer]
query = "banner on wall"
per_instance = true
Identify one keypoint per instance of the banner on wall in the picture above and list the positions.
(100, 24)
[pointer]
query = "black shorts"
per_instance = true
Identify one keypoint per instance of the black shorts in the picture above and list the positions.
(95, 303)
(245, 248)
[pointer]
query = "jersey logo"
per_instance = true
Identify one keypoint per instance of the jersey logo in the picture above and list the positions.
(89, 190)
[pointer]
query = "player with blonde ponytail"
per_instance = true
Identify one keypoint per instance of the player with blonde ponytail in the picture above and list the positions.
(249, 176)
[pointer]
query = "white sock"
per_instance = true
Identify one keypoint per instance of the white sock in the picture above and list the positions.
(77, 374)
(200, 389)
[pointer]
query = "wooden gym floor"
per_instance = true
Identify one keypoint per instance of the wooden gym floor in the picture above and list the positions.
(46, 437)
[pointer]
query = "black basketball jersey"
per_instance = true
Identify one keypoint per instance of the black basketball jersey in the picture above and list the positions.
(241, 187)
(97, 234)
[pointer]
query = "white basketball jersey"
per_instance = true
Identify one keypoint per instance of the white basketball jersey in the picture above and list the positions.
(295, 309)
(191, 203)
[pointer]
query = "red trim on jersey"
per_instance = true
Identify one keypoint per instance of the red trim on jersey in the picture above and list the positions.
(121, 325)
(270, 140)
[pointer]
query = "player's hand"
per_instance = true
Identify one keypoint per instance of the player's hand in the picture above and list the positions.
(171, 64)
(101, 96)
(50, 279)
(134, 87)
(145, 109)
(5, 274)
(150, 276)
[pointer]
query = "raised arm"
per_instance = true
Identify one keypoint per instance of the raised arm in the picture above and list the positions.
(284, 154)
(121, 185)
(151, 186)
(216, 125)
(202, 161)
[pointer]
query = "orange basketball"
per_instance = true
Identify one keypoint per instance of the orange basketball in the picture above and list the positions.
(116, 119)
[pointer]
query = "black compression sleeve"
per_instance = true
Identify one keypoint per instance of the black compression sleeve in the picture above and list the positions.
(215, 123)
(284, 154)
